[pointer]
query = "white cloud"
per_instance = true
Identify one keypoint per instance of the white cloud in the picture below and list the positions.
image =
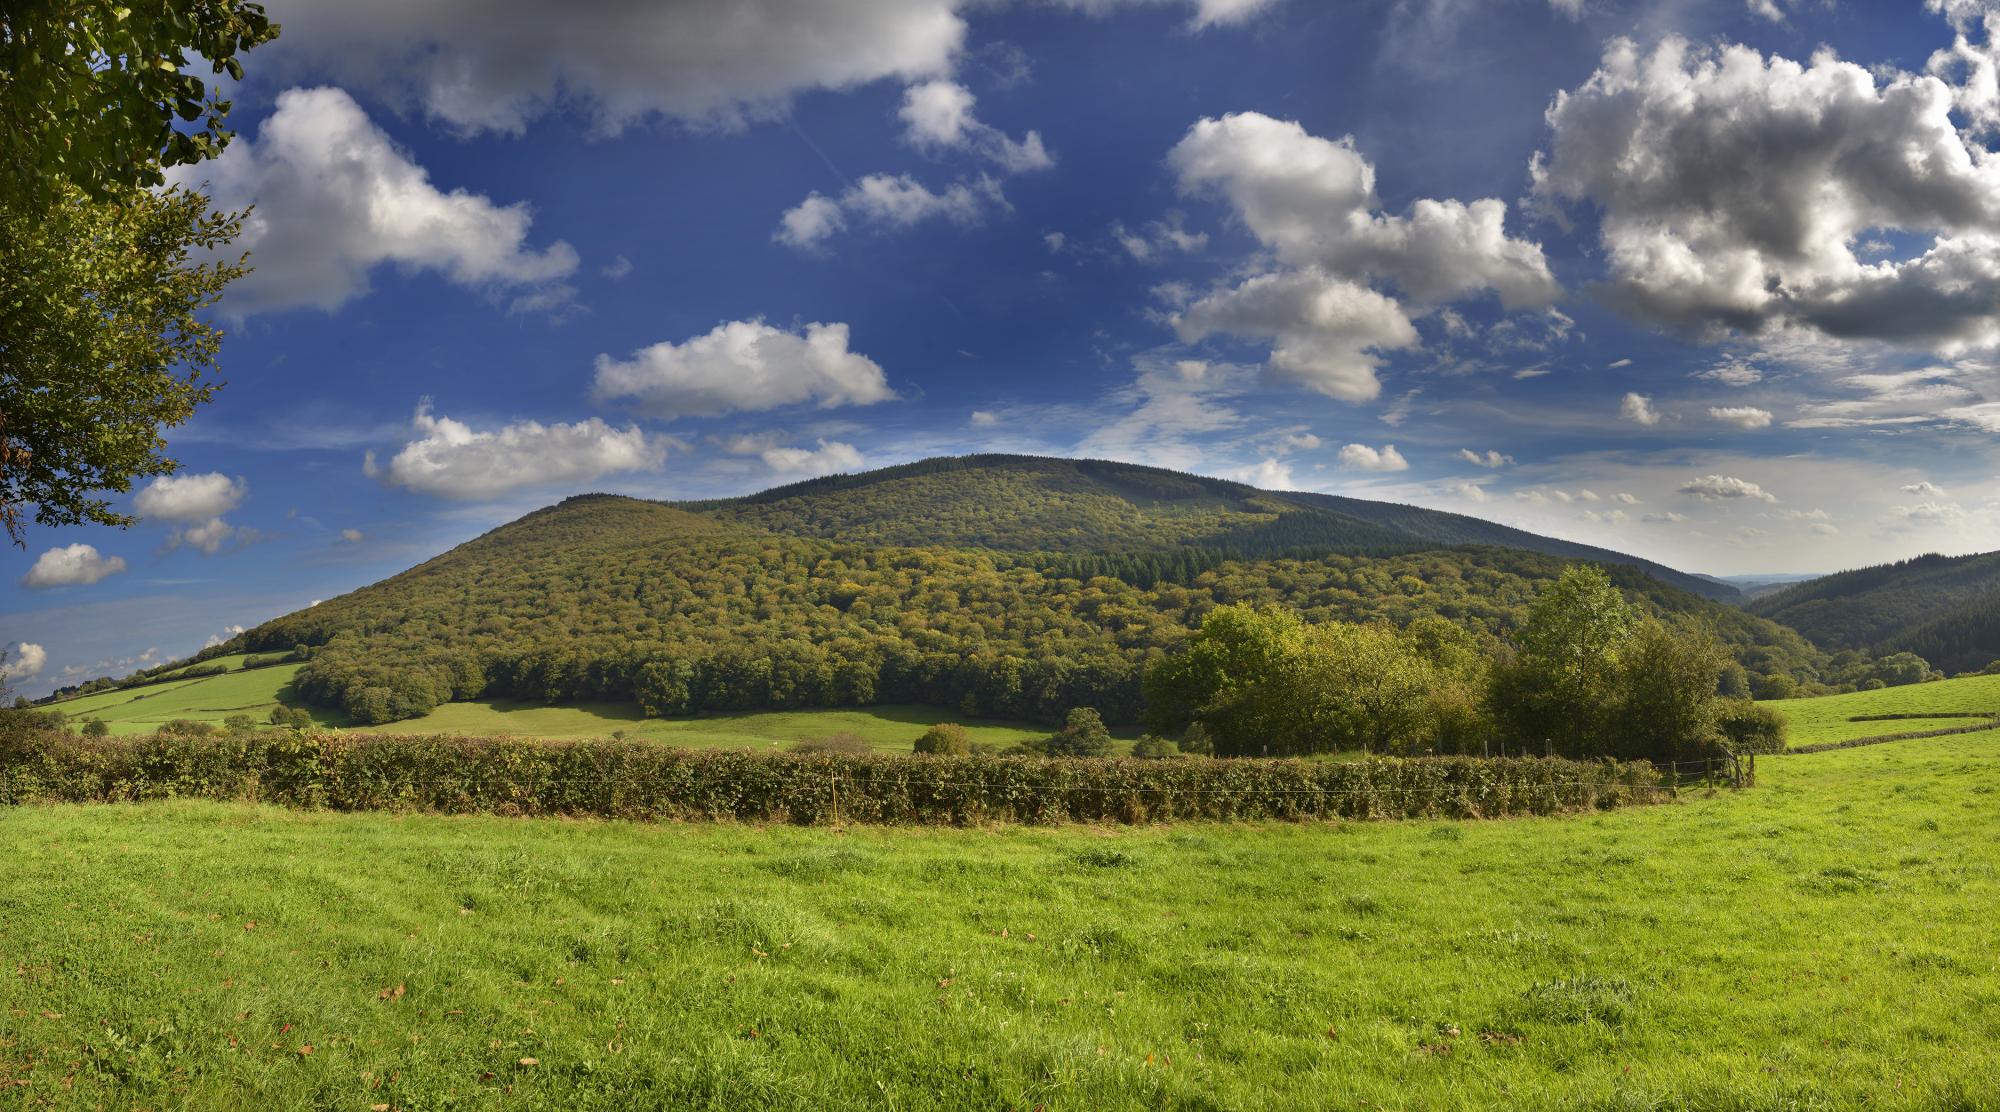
(1667, 517)
(619, 267)
(1160, 238)
(1733, 188)
(883, 201)
(1732, 371)
(190, 498)
(743, 365)
(1490, 459)
(494, 65)
(335, 198)
(1361, 457)
(1169, 404)
(984, 418)
(351, 536)
(937, 115)
(451, 460)
(1616, 364)
(831, 456)
(1468, 490)
(1266, 474)
(228, 632)
(1326, 332)
(1742, 416)
(1296, 442)
(1926, 488)
(26, 659)
(1725, 487)
(1311, 202)
(209, 536)
(1949, 515)
(1054, 242)
(1638, 409)
(71, 566)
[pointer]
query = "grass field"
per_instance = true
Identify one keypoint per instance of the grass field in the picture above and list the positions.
(1825, 940)
(255, 692)
(1829, 717)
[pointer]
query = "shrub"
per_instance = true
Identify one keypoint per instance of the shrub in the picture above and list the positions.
(239, 723)
(1196, 742)
(1749, 728)
(946, 739)
(638, 780)
(292, 718)
(96, 727)
(833, 743)
(1083, 735)
(1150, 748)
(214, 669)
(187, 727)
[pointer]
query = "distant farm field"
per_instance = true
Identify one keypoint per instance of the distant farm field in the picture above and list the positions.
(256, 692)
(1830, 717)
(1823, 941)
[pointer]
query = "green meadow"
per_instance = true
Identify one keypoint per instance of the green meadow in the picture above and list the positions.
(1823, 941)
(255, 692)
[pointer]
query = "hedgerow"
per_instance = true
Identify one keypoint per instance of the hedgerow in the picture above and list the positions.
(636, 780)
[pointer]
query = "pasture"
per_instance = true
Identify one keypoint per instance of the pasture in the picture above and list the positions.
(255, 692)
(1823, 941)
(1830, 717)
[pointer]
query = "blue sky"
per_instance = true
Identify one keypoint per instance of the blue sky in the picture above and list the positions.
(1713, 283)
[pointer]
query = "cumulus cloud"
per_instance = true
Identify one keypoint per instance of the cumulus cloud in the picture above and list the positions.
(335, 198)
(351, 536)
(829, 457)
(1638, 409)
(937, 115)
(884, 201)
(743, 365)
(71, 565)
(984, 418)
(1732, 188)
(1925, 488)
(495, 65)
(1490, 458)
(1742, 416)
(1266, 474)
(1361, 457)
(209, 536)
(1725, 488)
(1326, 333)
(25, 659)
(1311, 202)
(190, 498)
(452, 460)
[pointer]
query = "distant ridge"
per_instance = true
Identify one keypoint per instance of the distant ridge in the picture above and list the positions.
(1945, 609)
(1039, 503)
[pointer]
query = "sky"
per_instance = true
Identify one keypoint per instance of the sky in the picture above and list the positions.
(1711, 282)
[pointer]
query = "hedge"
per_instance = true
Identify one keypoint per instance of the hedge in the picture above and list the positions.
(637, 780)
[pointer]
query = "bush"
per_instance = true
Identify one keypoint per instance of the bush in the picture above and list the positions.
(96, 727)
(946, 739)
(638, 780)
(187, 727)
(214, 669)
(239, 723)
(1082, 735)
(291, 718)
(1749, 728)
(1196, 742)
(1150, 748)
(850, 743)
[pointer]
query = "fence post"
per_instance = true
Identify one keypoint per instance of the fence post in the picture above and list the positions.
(834, 780)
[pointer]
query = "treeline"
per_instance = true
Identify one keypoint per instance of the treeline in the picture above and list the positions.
(1587, 675)
(616, 599)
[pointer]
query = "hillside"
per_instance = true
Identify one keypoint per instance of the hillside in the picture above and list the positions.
(709, 607)
(1036, 504)
(1945, 609)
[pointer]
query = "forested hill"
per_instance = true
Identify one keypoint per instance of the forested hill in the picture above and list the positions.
(1945, 609)
(1038, 504)
(716, 607)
